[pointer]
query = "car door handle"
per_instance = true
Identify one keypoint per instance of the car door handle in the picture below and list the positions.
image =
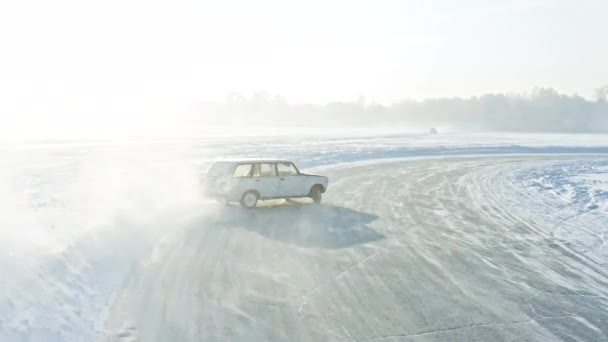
(282, 178)
(257, 180)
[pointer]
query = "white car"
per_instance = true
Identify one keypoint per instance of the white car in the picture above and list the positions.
(247, 181)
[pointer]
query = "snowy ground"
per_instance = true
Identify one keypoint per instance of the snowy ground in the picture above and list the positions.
(113, 242)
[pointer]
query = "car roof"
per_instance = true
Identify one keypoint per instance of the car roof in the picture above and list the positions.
(252, 160)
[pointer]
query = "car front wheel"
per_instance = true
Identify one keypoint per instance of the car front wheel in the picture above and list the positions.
(316, 194)
(249, 199)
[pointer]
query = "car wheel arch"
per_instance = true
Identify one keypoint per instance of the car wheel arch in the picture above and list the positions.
(256, 192)
(317, 186)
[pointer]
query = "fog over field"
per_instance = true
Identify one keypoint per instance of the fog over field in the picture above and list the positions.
(542, 110)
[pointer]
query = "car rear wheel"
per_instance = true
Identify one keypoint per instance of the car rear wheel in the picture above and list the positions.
(249, 199)
(316, 193)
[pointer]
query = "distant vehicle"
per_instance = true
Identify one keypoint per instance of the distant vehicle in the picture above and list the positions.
(247, 181)
(433, 130)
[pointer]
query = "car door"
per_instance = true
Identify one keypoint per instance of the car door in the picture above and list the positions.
(290, 181)
(265, 180)
(242, 180)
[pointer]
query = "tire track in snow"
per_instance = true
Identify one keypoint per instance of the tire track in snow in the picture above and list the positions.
(444, 250)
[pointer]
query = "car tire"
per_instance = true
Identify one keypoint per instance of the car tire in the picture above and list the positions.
(249, 199)
(316, 193)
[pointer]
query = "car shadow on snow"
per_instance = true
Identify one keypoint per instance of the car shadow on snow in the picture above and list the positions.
(304, 225)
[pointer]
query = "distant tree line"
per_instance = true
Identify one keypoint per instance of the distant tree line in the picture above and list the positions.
(542, 110)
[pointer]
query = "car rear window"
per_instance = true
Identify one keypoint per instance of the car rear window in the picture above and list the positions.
(220, 169)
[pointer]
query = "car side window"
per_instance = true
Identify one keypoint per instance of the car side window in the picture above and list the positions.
(267, 170)
(286, 169)
(242, 171)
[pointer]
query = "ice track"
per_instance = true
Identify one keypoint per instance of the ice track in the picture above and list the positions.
(456, 249)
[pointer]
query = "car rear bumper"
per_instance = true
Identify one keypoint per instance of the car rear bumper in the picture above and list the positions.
(212, 190)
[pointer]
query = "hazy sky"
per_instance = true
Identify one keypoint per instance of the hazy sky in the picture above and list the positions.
(80, 59)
